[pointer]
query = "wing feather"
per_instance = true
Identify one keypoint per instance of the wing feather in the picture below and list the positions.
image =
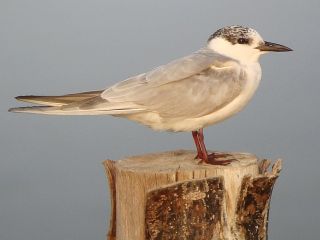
(192, 86)
(195, 96)
(131, 88)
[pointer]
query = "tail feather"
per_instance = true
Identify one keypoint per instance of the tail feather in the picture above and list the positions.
(33, 109)
(85, 103)
(49, 110)
(59, 100)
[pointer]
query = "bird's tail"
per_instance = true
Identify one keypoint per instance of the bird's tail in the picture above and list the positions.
(34, 109)
(86, 103)
(59, 100)
(49, 110)
(52, 103)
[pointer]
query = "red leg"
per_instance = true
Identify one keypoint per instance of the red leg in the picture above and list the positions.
(195, 135)
(213, 157)
(203, 146)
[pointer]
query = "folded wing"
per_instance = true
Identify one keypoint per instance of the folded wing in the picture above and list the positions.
(191, 86)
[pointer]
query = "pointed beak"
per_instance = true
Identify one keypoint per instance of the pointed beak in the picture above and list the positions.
(273, 47)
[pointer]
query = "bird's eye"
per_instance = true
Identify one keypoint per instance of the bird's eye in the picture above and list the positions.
(243, 41)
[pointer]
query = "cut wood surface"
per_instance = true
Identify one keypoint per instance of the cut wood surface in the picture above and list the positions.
(171, 195)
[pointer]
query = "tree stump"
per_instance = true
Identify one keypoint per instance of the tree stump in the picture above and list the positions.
(170, 195)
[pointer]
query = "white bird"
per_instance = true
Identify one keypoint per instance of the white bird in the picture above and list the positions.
(187, 94)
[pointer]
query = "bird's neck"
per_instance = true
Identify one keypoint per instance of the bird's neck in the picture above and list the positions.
(245, 54)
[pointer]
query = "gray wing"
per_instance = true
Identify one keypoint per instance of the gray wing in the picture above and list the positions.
(192, 86)
(131, 88)
(195, 96)
(187, 87)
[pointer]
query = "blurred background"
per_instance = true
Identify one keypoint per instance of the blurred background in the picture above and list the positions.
(52, 182)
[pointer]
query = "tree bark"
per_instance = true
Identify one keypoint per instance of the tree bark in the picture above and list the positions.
(172, 196)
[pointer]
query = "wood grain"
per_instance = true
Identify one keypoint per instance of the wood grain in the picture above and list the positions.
(172, 196)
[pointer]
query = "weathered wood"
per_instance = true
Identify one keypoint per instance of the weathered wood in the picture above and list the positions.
(187, 210)
(171, 196)
(110, 172)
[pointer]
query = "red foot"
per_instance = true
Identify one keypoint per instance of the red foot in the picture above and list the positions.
(220, 159)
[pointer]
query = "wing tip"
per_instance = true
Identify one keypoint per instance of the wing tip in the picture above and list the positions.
(26, 97)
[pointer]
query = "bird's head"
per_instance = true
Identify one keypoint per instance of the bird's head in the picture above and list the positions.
(242, 43)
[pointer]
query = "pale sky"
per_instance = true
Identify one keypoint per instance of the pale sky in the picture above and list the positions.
(52, 182)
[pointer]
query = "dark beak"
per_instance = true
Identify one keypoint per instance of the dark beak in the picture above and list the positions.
(273, 47)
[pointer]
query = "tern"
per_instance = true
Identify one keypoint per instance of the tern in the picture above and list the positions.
(187, 94)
